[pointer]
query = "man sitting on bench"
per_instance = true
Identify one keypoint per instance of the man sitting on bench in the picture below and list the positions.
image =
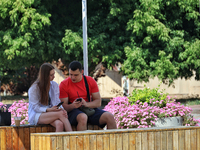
(73, 93)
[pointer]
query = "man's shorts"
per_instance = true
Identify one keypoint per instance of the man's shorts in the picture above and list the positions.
(93, 119)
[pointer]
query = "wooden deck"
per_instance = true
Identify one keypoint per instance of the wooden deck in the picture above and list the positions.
(18, 138)
(168, 138)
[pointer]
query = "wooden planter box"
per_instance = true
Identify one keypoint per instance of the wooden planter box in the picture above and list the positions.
(18, 138)
(165, 138)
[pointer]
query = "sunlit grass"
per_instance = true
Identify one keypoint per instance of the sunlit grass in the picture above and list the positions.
(196, 102)
(189, 102)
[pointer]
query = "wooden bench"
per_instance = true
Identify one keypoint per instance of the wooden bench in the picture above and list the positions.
(14, 138)
(168, 138)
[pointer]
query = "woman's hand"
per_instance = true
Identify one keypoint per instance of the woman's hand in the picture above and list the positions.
(54, 108)
(65, 113)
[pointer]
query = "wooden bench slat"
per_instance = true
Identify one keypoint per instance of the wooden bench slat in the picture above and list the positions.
(193, 139)
(150, 140)
(158, 141)
(86, 142)
(175, 140)
(15, 132)
(198, 137)
(93, 142)
(138, 145)
(33, 141)
(113, 142)
(164, 140)
(119, 141)
(100, 142)
(144, 141)
(21, 138)
(125, 142)
(9, 143)
(3, 139)
(27, 138)
(170, 140)
(66, 142)
(106, 142)
(181, 138)
(187, 140)
(80, 143)
(72, 143)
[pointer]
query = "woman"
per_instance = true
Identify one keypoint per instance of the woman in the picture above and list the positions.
(43, 98)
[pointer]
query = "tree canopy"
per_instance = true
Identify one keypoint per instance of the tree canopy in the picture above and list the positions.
(148, 37)
(164, 40)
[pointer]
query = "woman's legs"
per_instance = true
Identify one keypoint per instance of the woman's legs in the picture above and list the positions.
(58, 125)
(50, 117)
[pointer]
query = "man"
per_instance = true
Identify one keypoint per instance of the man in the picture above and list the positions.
(74, 87)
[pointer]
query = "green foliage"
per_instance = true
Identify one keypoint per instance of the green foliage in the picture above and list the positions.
(192, 102)
(21, 37)
(164, 40)
(148, 95)
(149, 38)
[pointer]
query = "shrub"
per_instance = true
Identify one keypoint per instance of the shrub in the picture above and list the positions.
(19, 109)
(147, 95)
(144, 115)
(130, 116)
(2, 106)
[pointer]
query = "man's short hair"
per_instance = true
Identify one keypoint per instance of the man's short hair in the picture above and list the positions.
(74, 65)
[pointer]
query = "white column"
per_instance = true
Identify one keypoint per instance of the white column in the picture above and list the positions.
(85, 49)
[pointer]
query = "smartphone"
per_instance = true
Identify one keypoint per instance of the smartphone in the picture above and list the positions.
(59, 104)
(79, 99)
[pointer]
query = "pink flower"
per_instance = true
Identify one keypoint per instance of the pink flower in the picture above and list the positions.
(143, 115)
(19, 109)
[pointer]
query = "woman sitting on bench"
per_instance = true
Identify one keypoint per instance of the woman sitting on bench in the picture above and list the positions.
(44, 99)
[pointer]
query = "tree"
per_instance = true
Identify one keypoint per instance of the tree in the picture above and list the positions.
(149, 38)
(164, 41)
(22, 33)
(21, 36)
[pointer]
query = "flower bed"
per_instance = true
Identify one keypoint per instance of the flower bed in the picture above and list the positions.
(18, 109)
(127, 114)
(144, 115)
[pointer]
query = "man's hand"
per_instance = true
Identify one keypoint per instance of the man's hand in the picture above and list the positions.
(77, 104)
(84, 103)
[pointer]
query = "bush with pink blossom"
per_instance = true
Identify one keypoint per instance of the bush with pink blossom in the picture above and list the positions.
(19, 109)
(3, 107)
(144, 115)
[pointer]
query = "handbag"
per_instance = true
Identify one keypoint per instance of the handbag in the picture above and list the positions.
(88, 111)
(5, 117)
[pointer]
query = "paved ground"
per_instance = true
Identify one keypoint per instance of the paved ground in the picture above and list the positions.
(195, 111)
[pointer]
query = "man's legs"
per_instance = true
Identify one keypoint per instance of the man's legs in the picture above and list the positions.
(78, 118)
(108, 118)
(82, 122)
(102, 118)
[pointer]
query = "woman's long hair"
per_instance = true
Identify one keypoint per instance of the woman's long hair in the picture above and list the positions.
(43, 82)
